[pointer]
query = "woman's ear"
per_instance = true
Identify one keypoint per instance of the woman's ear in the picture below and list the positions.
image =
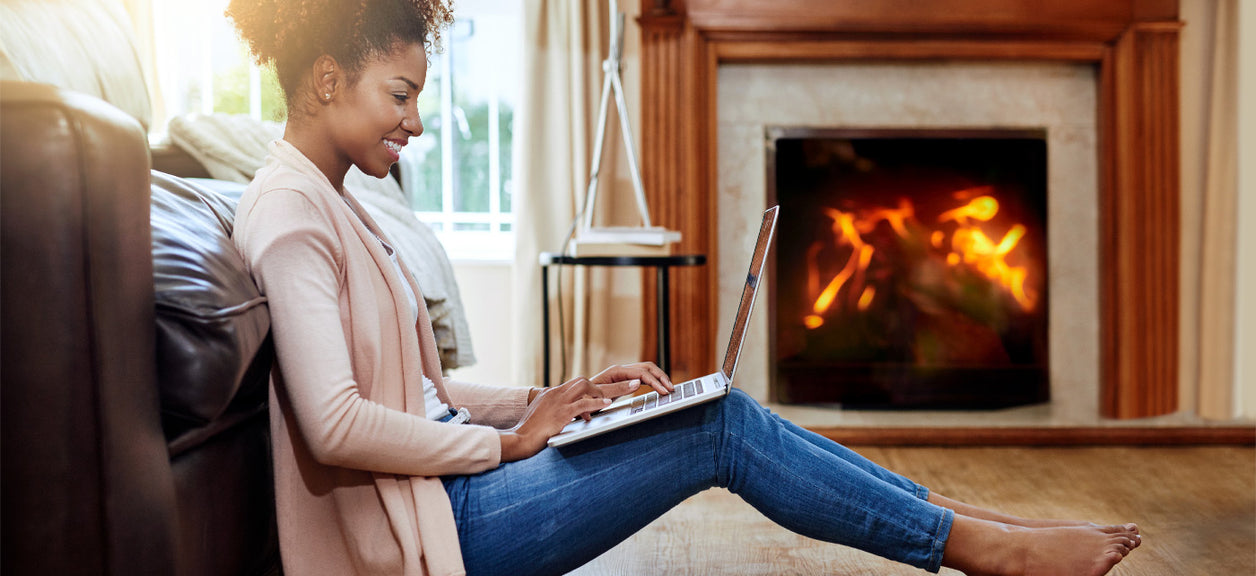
(328, 77)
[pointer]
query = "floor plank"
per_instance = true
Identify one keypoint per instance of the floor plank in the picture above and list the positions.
(1196, 507)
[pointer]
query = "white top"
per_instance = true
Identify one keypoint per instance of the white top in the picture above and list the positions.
(435, 408)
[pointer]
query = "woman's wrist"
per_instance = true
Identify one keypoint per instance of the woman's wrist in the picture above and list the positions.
(515, 446)
(510, 445)
(533, 393)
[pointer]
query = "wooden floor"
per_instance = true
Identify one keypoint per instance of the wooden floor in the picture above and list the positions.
(1196, 507)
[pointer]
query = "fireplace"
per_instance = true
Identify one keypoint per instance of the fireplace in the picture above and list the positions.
(1130, 48)
(910, 267)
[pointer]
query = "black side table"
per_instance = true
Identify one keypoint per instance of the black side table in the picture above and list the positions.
(661, 265)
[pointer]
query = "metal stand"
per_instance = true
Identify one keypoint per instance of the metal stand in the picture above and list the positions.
(612, 83)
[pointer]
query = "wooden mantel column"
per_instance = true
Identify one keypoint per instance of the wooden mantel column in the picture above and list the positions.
(1141, 223)
(677, 189)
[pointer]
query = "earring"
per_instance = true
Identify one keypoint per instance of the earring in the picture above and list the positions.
(327, 96)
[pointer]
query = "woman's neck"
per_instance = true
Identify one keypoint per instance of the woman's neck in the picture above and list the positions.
(316, 146)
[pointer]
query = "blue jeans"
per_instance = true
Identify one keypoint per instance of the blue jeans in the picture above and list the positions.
(559, 509)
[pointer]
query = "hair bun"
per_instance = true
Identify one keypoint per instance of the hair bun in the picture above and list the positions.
(291, 34)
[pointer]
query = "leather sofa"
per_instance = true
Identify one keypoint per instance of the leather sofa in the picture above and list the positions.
(135, 347)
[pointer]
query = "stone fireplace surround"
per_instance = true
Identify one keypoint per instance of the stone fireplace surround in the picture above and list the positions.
(1128, 48)
(1057, 97)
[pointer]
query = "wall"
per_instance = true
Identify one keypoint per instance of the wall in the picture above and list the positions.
(1245, 330)
(489, 304)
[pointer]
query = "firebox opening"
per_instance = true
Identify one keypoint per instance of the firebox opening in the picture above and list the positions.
(910, 269)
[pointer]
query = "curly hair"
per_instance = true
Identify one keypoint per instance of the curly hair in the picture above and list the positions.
(292, 34)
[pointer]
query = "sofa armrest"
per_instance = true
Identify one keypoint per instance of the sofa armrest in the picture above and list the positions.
(87, 481)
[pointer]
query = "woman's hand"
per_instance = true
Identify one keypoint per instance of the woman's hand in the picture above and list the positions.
(554, 408)
(647, 372)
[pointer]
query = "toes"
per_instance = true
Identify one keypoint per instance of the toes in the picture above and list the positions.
(1112, 557)
(1125, 545)
(1129, 530)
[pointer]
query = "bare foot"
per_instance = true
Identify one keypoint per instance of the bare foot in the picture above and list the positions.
(1081, 550)
(981, 547)
(986, 514)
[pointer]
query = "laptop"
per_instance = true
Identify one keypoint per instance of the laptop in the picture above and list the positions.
(630, 410)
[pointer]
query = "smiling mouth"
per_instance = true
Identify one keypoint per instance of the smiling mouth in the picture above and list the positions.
(393, 146)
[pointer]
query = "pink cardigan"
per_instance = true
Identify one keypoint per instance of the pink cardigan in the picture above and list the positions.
(357, 464)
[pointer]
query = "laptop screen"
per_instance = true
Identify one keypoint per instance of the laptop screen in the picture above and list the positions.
(742, 321)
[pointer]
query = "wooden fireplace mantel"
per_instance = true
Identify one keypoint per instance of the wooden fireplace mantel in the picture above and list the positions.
(1133, 44)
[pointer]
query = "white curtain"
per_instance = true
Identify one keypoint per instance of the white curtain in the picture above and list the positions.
(141, 13)
(1209, 206)
(565, 44)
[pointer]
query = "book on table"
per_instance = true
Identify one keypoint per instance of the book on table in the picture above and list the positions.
(644, 235)
(581, 249)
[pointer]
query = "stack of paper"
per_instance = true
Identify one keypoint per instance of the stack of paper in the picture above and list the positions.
(648, 236)
(624, 241)
(580, 248)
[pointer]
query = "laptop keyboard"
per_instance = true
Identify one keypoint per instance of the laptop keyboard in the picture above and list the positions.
(654, 399)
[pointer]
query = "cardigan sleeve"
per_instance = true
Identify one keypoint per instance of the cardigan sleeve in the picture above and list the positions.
(496, 406)
(297, 262)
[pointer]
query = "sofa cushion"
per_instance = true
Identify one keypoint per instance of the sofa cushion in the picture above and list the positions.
(212, 323)
(81, 45)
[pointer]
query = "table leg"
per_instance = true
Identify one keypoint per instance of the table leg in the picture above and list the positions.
(665, 343)
(545, 330)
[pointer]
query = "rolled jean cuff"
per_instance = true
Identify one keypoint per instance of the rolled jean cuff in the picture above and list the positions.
(940, 536)
(922, 492)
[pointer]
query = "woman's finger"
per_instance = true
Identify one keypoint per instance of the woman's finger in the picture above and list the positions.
(588, 389)
(617, 389)
(610, 374)
(575, 388)
(657, 379)
(648, 372)
(587, 406)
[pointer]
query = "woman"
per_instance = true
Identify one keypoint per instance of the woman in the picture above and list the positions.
(375, 473)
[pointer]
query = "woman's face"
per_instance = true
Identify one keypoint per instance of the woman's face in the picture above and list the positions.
(375, 117)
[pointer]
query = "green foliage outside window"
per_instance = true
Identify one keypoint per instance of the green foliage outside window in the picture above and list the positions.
(425, 196)
(471, 151)
(231, 92)
(473, 159)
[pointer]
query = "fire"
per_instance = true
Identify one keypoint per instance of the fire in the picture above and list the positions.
(965, 245)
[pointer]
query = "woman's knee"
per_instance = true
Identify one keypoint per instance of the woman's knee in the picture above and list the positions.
(743, 400)
(740, 407)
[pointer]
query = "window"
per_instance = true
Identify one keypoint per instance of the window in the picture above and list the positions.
(458, 176)
(204, 68)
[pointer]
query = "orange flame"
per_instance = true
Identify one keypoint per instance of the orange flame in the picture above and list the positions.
(969, 246)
